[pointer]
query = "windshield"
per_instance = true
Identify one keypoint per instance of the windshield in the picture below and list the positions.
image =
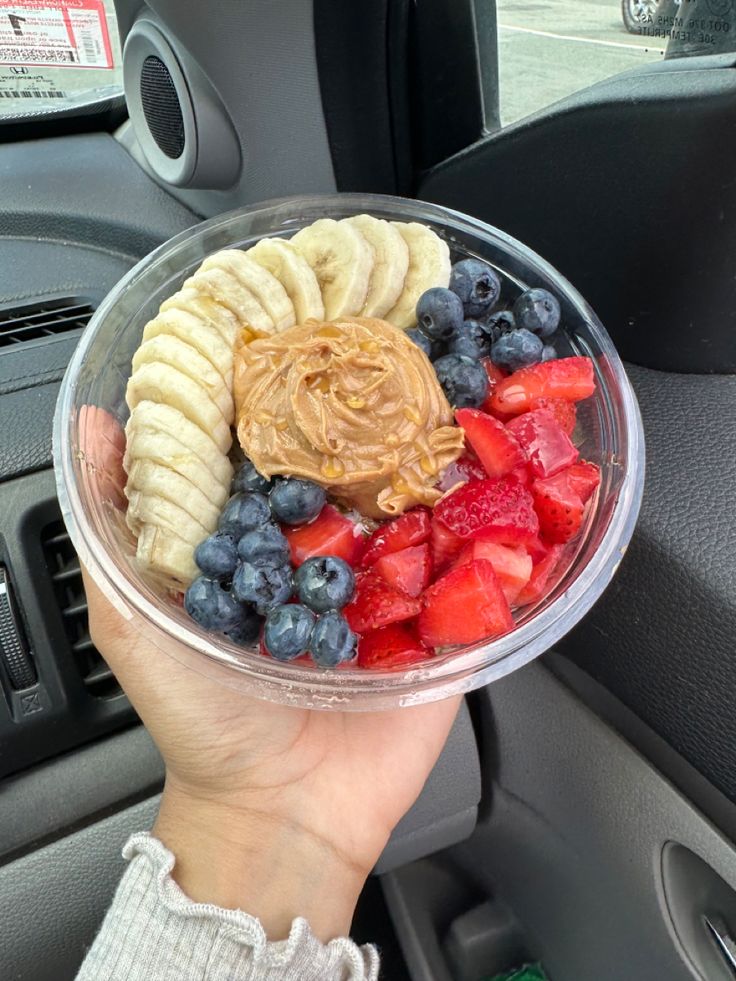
(57, 54)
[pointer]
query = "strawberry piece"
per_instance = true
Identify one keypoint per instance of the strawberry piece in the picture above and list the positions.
(445, 545)
(522, 475)
(584, 477)
(537, 550)
(559, 507)
(408, 570)
(461, 471)
(395, 646)
(497, 448)
(548, 446)
(500, 511)
(465, 606)
(411, 528)
(541, 578)
(565, 378)
(376, 604)
(331, 533)
(495, 375)
(513, 566)
(564, 412)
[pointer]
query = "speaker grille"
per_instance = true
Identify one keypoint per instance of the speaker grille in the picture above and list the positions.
(161, 107)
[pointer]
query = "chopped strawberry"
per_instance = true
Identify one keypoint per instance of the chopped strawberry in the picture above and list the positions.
(565, 378)
(495, 375)
(536, 549)
(584, 477)
(445, 545)
(411, 528)
(376, 604)
(500, 511)
(522, 475)
(461, 471)
(331, 533)
(408, 570)
(548, 446)
(465, 606)
(497, 448)
(559, 507)
(513, 566)
(394, 646)
(541, 576)
(564, 412)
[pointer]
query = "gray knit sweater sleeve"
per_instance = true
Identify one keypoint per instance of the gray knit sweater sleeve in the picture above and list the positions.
(153, 932)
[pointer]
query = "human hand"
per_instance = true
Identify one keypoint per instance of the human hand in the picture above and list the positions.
(279, 811)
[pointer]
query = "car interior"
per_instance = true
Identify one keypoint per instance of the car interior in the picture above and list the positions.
(583, 813)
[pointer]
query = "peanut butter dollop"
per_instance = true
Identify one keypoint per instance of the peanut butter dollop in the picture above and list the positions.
(353, 405)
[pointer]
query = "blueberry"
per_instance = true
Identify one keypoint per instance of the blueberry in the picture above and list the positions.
(499, 323)
(212, 606)
(264, 546)
(439, 313)
(295, 502)
(539, 311)
(548, 353)
(332, 640)
(430, 347)
(246, 630)
(324, 582)
(248, 479)
(463, 380)
(517, 350)
(476, 284)
(287, 631)
(263, 586)
(217, 556)
(472, 340)
(244, 512)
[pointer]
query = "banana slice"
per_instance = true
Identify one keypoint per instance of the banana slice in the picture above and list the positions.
(166, 349)
(167, 557)
(342, 261)
(259, 281)
(429, 265)
(293, 271)
(191, 329)
(149, 509)
(159, 382)
(166, 451)
(390, 263)
(202, 305)
(155, 421)
(230, 292)
(152, 479)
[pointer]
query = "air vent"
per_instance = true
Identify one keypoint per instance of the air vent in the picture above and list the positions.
(34, 320)
(66, 576)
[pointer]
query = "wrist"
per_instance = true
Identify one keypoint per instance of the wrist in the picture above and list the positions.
(260, 860)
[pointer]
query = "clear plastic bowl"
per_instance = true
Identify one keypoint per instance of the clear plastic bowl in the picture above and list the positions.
(97, 375)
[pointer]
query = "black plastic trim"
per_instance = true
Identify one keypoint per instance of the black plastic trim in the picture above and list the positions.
(352, 55)
(700, 792)
(105, 776)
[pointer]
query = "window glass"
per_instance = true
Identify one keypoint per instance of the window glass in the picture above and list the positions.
(548, 49)
(57, 54)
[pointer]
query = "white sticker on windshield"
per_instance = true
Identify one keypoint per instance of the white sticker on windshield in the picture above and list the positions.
(58, 33)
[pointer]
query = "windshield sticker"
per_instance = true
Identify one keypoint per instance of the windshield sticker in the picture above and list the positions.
(68, 34)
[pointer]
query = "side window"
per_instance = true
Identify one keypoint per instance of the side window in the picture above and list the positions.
(57, 54)
(549, 49)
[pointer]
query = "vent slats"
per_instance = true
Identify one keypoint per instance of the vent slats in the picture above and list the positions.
(34, 320)
(66, 576)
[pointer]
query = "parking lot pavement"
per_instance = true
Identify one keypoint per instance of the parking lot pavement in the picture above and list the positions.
(549, 49)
